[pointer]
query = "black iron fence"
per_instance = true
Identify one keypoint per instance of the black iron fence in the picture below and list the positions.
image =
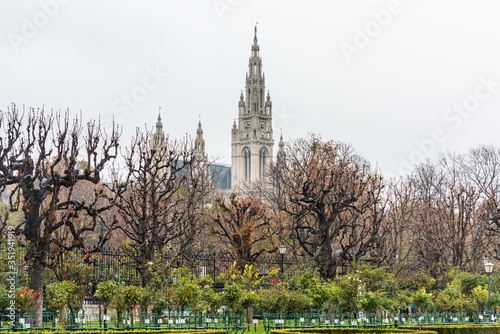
(115, 264)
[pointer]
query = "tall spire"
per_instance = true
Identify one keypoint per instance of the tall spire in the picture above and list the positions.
(255, 83)
(199, 132)
(255, 46)
(199, 143)
(159, 136)
(280, 156)
(281, 143)
(252, 140)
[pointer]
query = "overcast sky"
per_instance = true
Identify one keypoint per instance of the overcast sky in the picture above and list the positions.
(400, 80)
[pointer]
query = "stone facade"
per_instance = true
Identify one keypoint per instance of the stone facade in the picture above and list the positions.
(252, 133)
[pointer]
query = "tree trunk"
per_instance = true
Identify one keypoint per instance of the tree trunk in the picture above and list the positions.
(131, 315)
(62, 313)
(36, 274)
(119, 318)
(248, 316)
(146, 280)
(325, 258)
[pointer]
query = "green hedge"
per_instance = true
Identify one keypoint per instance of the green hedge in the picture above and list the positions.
(461, 329)
(337, 330)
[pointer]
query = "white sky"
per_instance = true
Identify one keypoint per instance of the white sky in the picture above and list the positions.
(396, 91)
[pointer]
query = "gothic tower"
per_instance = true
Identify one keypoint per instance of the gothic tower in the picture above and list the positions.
(252, 135)
(199, 144)
(159, 136)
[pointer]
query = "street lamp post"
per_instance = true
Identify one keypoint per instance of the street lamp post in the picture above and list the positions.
(488, 267)
(282, 252)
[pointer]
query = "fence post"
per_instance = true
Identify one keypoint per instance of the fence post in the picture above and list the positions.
(214, 266)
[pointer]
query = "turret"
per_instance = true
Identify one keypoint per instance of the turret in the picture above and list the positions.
(234, 131)
(241, 104)
(269, 105)
(281, 144)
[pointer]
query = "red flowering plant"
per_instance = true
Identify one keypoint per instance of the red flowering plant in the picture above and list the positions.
(26, 299)
(74, 274)
(76, 268)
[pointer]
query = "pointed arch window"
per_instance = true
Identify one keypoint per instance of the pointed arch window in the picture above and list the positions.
(247, 157)
(263, 161)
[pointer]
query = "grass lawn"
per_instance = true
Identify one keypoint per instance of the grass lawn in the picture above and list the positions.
(259, 329)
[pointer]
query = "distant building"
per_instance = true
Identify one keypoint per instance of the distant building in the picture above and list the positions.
(252, 140)
(220, 174)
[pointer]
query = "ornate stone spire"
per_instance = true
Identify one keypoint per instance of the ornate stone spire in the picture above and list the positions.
(252, 134)
(199, 143)
(281, 143)
(159, 136)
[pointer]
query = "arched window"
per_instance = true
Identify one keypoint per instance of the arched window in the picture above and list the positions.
(263, 157)
(247, 157)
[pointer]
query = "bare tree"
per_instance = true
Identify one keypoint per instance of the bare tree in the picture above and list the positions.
(244, 224)
(333, 200)
(38, 156)
(482, 168)
(160, 199)
(446, 230)
(396, 249)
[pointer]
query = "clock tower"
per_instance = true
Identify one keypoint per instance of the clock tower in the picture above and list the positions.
(252, 134)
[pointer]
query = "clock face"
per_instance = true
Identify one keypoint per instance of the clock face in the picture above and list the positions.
(247, 125)
(262, 125)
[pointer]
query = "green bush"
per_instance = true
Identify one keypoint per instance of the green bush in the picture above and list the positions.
(4, 297)
(57, 297)
(422, 300)
(107, 291)
(273, 299)
(232, 297)
(210, 300)
(132, 295)
(185, 290)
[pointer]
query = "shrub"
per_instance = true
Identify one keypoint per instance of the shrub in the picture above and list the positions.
(107, 291)
(56, 298)
(185, 291)
(422, 300)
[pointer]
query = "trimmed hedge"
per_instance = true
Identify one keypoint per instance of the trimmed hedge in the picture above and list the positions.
(337, 330)
(460, 329)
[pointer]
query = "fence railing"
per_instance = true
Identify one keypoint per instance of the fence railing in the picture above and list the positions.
(114, 264)
(176, 319)
(381, 319)
(169, 319)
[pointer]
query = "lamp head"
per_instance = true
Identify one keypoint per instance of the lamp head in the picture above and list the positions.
(488, 267)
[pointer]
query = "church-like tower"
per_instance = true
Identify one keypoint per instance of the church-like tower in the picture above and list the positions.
(159, 136)
(199, 145)
(252, 134)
